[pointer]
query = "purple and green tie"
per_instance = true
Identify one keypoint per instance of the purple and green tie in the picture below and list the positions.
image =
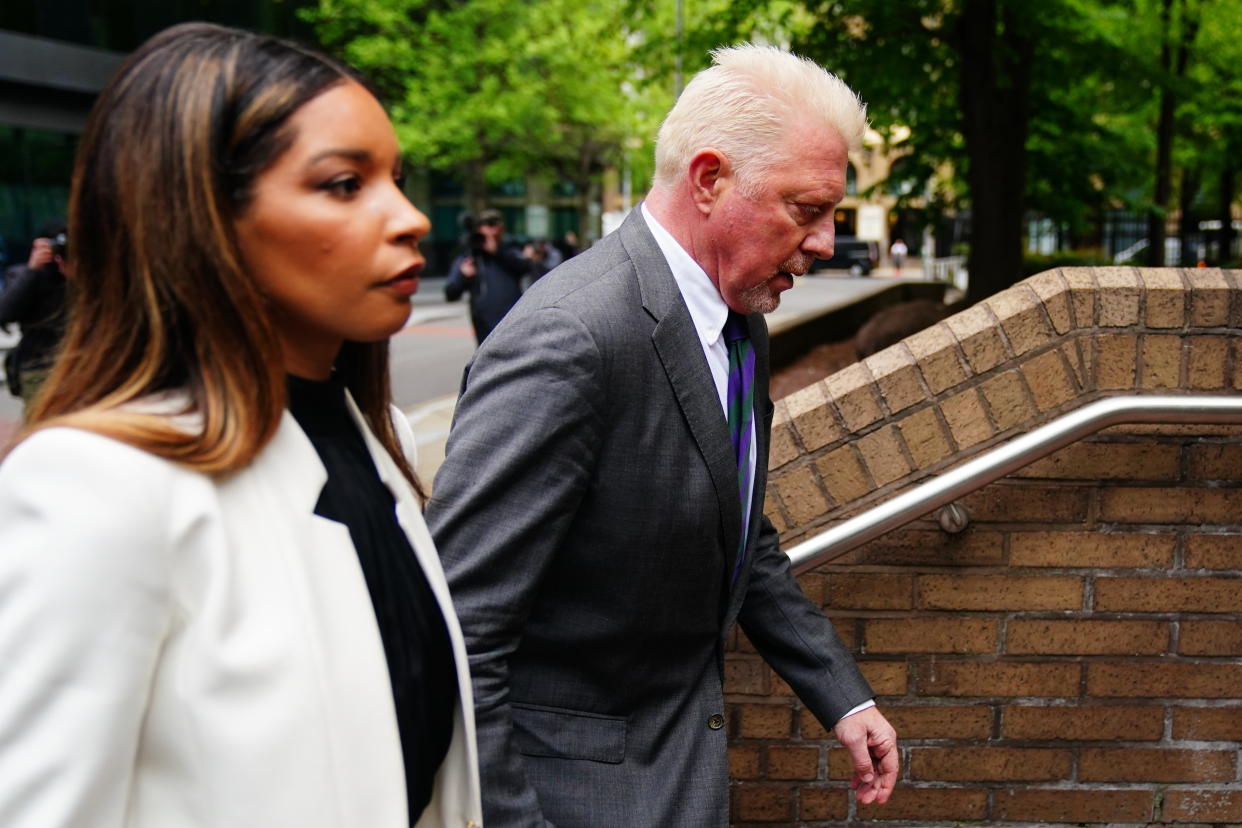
(741, 413)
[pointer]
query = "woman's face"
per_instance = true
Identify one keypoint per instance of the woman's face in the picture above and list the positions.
(328, 234)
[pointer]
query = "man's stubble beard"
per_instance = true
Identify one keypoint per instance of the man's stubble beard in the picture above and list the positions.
(762, 298)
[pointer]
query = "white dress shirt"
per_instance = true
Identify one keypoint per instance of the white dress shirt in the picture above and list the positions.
(708, 312)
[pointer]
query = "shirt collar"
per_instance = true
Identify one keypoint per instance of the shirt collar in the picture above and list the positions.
(707, 310)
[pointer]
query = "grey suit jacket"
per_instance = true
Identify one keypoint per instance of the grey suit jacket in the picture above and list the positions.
(587, 516)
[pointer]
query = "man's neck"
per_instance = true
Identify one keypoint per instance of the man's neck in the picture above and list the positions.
(679, 217)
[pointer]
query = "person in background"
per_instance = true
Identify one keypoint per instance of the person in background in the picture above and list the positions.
(491, 271)
(221, 606)
(4, 261)
(34, 298)
(548, 254)
(600, 507)
(568, 245)
(897, 252)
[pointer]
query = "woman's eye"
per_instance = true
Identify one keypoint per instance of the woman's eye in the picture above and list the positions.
(343, 186)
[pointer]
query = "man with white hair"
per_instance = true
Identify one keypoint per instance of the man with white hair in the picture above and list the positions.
(600, 508)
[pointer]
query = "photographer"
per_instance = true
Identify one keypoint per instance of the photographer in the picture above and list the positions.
(490, 271)
(34, 298)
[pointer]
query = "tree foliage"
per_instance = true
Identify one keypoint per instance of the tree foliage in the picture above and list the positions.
(982, 84)
(1049, 108)
(492, 88)
(1013, 108)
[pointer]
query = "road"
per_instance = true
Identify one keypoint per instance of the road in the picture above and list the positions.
(428, 355)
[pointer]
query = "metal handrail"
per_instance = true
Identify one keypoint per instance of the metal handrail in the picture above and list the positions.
(1000, 461)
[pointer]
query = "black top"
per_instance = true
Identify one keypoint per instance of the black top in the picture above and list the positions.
(416, 641)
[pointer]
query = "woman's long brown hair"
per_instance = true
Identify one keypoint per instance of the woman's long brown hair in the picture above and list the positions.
(161, 300)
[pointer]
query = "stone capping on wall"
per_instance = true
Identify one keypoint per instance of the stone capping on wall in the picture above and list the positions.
(1002, 367)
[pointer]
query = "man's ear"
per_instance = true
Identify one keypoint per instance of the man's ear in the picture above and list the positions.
(709, 177)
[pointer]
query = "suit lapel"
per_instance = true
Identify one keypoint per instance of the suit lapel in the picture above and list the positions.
(681, 353)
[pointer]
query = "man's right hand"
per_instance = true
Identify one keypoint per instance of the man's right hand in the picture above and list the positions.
(40, 254)
(468, 268)
(872, 744)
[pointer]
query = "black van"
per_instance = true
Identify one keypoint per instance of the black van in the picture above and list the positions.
(855, 255)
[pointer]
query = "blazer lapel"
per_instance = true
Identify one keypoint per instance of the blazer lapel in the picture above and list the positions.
(409, 515)
(276, 500)
(459, 787)
(681, 354)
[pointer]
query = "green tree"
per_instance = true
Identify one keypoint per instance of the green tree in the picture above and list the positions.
(1184, 55)
(1179, 23)
(592, 107)
(981, 85)
(493, 89)
(1217, 111)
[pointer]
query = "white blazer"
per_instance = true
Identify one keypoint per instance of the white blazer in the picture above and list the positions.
(183, 651)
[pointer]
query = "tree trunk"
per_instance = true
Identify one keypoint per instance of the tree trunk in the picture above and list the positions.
(476, 187)
(1164, 149)
(995, 98)
(584, 213)
(1224, 238)
(1174, 68)
(584, 177)
(1187, 225)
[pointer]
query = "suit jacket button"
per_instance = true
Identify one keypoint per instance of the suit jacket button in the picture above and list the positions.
(715, 721)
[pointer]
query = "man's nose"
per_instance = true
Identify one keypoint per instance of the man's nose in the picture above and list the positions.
(822, 240)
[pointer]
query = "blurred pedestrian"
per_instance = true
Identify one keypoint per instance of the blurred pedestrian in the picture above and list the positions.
(897, 252)
(490, 271)
(600, 507)
(568, 245)
(546, 253)
(34, 299)
(221, 606)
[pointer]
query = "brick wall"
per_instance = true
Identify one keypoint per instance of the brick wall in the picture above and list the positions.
(1074, 656)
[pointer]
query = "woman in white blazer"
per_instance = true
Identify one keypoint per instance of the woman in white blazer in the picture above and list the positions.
(219, 604)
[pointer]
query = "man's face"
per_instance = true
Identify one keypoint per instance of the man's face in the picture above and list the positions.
(492, 229)
(758, 241)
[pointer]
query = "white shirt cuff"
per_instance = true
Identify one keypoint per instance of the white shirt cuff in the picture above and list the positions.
(861, 707)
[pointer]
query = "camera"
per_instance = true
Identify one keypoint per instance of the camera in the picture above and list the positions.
(472, 240)
(60, 245)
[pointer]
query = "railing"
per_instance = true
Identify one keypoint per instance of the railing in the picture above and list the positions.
(1009, 457)
(1130, 252)
(951, 269)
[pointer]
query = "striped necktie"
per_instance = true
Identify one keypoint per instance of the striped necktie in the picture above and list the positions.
(741, 414)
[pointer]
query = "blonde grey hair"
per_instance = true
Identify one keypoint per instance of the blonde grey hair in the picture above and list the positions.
(744, 105)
